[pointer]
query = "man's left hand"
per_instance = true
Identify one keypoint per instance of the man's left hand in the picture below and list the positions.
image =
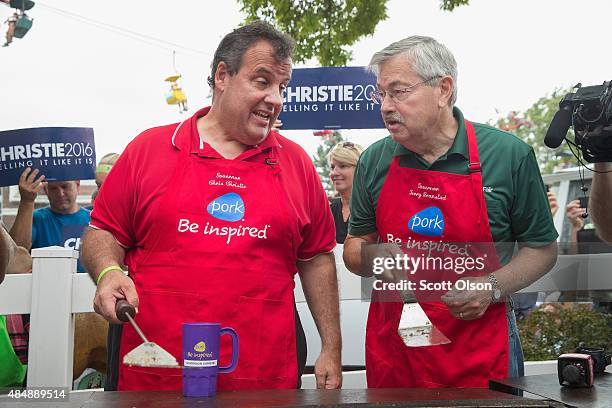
(328, 370)
(468, 304)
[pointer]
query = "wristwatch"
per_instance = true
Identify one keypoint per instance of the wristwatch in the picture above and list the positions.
(496, 291)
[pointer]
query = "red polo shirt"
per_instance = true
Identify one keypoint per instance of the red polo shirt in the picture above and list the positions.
(126, 203)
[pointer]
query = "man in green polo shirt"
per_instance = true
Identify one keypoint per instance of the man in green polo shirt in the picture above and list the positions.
(438, 177)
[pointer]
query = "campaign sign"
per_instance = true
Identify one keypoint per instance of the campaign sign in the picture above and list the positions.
(330, 98)
(71, 239)
(60, 153)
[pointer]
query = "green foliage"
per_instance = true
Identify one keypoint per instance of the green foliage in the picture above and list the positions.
(324, 29)
(450, 5)
(321, 28)
(321, 162)
(556, 329)
(531, 127)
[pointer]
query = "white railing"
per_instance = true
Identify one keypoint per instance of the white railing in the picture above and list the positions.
(51, 294)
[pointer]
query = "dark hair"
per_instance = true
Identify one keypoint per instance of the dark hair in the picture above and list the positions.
(233, 46)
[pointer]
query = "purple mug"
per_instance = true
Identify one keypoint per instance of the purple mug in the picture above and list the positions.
(201, 356)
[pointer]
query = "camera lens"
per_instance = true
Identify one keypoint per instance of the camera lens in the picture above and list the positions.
(572, 374)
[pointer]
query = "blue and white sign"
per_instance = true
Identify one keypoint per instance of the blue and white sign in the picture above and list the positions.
(60, 153)
(429, 222)
(71, 239)
(228, 207)
(331, 98)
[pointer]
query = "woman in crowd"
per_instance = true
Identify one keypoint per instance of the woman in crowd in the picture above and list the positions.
(342, 160)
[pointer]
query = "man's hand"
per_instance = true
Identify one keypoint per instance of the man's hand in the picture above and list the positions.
(574, 212)
(29, 185)
(328, 370)
(376, 254)
(320, 285)
(114, 286)
(468, 304)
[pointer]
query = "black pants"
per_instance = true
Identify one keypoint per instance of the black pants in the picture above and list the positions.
(114, 339)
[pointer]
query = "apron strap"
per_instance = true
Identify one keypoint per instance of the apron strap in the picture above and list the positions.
(167, 199)
(475, 171)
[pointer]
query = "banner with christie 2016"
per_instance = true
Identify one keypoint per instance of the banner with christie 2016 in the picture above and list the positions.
(60, 153)
(331, 98)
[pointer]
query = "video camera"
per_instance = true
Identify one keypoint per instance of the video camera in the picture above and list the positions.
(579, 369)
(589, 111)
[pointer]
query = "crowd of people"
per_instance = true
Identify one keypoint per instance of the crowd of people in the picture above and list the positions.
(61, 223)
(216, 227)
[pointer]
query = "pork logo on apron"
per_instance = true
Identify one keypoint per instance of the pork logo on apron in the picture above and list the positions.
(429, 222)
(228, 207)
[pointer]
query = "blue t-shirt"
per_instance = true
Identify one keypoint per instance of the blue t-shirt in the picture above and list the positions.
(50, 228)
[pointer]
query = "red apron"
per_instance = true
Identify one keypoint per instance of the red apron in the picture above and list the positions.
(479, 348)
(236, 268)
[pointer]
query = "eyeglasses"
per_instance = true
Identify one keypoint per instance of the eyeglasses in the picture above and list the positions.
(397, 95)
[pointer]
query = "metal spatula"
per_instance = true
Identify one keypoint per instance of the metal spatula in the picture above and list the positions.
(415, 328)
(148, 354)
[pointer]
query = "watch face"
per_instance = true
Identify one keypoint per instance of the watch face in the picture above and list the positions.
(496, 294)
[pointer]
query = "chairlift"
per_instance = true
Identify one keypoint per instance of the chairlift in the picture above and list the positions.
(22, 26)
(176, 96)
(21, 4)
(19, 23)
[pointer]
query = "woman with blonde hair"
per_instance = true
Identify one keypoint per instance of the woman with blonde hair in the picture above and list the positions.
(342, 160)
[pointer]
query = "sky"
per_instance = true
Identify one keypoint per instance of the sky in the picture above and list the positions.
(67, 71)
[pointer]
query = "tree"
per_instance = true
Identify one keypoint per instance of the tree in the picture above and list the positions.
(531, 127)
(558, 328)
(450, 5)
(321, 28)
(325, 28)
(328, 140)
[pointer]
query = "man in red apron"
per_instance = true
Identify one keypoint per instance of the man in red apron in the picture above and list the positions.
(439, 179)
(214, 216)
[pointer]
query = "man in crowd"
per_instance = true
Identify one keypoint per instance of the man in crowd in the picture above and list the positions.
(213, 217)
(601, 197)
(439, 178)
(61, 223)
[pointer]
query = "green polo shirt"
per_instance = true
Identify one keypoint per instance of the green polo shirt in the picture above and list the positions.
(513, 188)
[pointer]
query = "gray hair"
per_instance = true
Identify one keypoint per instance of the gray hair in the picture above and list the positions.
(234, 45)
(428, 58)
